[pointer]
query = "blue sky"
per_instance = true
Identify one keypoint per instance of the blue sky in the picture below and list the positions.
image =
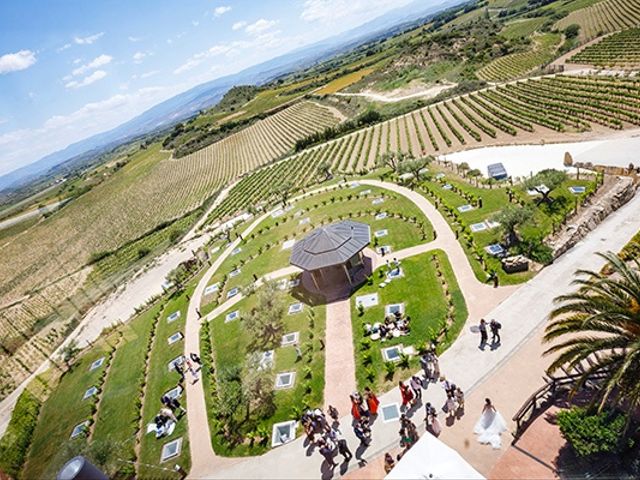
(70, 69)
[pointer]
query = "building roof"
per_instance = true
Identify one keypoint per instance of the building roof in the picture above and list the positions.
(497, 171)
(330, 245)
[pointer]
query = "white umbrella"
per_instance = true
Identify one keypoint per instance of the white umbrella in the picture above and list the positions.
(431, 458)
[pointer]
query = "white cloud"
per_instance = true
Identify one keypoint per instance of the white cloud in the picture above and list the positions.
(21, 147)
(221, 10)
(94, 77)
(13, 62)
(327, 11)
(63, 48)
(88, 40)
(150, 74)
(260, 26)
(138, 57)
(134, 39)
(238, 25)
(77, 61)
(195, 23)
(99, 61)
(3, 120)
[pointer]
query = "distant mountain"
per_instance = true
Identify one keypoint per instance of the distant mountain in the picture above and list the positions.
(204, 96)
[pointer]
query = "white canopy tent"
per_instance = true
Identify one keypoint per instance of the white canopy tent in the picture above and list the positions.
(431, 458)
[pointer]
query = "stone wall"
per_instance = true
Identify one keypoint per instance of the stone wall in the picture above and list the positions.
(590, 217)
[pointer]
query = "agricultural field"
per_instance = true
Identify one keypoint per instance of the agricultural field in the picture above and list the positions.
(603, 17)
(550, 107)
(517, 65)
(344, 81)
(618, 50)
(522, 27)
(405, 224)
(153, 188)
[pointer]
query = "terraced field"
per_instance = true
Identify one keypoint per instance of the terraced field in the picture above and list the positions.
(618, 50)
(603, 17)
(152, 188)
(522, 28)
(517, 65)
(532, 109)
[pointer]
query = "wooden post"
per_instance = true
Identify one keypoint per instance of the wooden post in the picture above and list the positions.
(346, 271)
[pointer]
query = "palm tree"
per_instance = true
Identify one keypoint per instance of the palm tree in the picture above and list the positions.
(598, 327)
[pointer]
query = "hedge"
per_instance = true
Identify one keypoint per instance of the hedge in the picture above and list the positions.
(15, 443)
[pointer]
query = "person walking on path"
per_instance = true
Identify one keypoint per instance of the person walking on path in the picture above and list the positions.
(460, 399)
(389, 463)
(333, 413)
(372, 401)
(343, 447)
(495, 331)
(416, 387)
(405, 392)
(483, 333)
(355, 408)
(436, 366)
(426, 365)
(490, 426)
(361, 434)
(327, 453)
(431, 420)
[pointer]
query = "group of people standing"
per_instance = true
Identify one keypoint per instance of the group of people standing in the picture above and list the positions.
(494, 327)
(192, 364)
(331, 442)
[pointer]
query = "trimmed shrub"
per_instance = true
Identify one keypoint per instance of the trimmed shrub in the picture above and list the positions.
(592, 434)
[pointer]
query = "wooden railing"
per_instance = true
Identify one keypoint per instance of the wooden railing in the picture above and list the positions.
(546, 392)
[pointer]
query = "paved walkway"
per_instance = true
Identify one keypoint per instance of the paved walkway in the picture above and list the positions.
(339, 357)
(295, 460)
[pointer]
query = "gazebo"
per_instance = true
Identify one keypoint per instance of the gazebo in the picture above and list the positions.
(336, 245)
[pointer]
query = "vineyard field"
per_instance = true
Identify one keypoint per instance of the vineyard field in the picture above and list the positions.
(530, 110)
(152, 188)
(517, 65)
(603, 17)
(618, 50)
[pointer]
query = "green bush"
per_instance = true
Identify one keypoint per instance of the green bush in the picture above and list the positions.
(17, 439)
(592, 434)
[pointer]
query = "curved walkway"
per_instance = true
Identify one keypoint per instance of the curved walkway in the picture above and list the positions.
(205, 463)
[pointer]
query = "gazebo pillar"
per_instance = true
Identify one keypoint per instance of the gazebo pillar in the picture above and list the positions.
(346, 271)
(315, 280)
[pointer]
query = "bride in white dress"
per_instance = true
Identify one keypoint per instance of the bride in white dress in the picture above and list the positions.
(490, 426)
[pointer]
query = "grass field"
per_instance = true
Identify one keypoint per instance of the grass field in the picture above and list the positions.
(159, 381)
(118, 418)
(229, 341)
(64, 409)
(315, 211)
(425, 302)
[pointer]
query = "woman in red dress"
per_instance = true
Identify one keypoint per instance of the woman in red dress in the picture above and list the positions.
(407, 394)
(372, 401)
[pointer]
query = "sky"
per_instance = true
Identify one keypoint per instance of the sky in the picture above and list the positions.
(70, 69)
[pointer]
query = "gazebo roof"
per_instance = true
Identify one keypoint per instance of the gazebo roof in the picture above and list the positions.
(330, 245)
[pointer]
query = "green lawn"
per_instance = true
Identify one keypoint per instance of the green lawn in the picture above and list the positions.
(493, 201)
(425, 302)
(322, 208)
(229, 342)
(64, 409)
(159, 381)
(118, 416)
